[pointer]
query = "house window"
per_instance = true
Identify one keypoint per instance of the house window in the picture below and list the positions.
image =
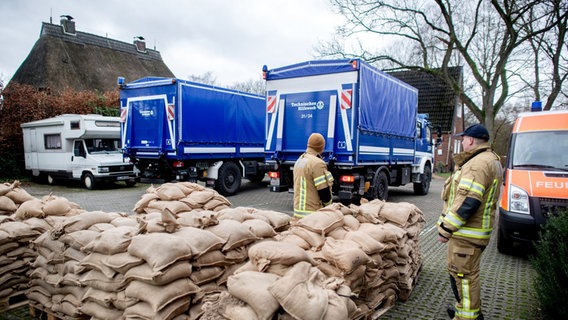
(52, 141)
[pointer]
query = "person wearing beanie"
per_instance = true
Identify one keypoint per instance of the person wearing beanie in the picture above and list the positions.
(470, 198)
(312, 180)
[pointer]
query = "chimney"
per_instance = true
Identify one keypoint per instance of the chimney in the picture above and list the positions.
(68, 25)
(140, 44)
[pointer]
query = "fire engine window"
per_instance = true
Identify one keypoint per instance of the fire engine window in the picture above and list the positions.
(52, 141)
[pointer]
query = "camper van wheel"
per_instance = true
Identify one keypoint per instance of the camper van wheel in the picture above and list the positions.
(50, 179)
(229, 179)
(421, 188)
(380, 186)
(89, 181)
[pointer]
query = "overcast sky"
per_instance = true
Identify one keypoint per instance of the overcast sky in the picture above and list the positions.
(233, 39)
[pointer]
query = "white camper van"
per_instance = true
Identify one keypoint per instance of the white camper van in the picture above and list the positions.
(79, 147)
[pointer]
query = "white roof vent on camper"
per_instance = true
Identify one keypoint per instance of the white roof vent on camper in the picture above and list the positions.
(140, 44)
(68, 25)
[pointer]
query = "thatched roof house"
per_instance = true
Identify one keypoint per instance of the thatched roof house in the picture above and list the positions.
(64, 57)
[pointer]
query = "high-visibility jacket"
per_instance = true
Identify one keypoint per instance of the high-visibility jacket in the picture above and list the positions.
(310, 175)
(470, 196)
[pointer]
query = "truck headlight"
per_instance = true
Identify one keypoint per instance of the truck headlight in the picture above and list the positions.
(104, 170)
(519, 200)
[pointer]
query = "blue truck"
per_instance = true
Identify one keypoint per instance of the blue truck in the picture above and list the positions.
(177, 130)
(375, 137)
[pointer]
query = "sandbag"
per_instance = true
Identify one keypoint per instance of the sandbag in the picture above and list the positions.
(115, 240)
(198, 219)
(145, 273)
(260, 228)
(253, 288)
(300, 292)
(344, 254)
(322, 221)
(160, 249)
(158, 297)
(30, 208)
(398, 213)
(233, 232)
(7, 204)
(268, 252)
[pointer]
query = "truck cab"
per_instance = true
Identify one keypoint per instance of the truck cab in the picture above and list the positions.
(536, 177)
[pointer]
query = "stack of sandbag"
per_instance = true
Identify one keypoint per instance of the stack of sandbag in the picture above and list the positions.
(367, 253)
(24, 218)
(189, 254)
(58, 279)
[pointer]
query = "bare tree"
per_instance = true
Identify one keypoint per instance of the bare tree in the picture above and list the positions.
(251, 86)
(206, 78)
(487, 37)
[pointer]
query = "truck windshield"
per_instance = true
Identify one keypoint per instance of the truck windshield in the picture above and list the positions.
(103, 145)
(541, 150)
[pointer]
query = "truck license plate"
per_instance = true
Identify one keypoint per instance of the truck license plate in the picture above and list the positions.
(120, 178)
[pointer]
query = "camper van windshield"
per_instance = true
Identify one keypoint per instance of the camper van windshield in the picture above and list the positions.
(103, 145)
(541, 150)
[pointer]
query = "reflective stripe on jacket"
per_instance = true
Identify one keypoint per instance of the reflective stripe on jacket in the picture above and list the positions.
(478, 176)
(310, 175)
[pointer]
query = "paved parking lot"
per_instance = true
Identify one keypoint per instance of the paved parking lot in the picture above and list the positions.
(507, 287)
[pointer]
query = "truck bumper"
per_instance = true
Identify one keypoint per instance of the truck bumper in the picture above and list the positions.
(518, 227)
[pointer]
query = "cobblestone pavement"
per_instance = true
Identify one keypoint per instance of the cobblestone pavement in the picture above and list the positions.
(507, 281)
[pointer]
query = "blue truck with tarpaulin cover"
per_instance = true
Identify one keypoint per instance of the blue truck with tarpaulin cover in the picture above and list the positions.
(375, 137)
(177, 130)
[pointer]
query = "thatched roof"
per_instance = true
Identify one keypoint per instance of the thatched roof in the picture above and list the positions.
(84, 61)
(435, 97)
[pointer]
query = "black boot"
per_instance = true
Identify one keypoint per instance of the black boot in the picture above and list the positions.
(451, 312)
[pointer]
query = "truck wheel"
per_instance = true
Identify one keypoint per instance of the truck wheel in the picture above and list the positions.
(89, 181)
(380, 186)
(504, 245)
(229, 179)
(421, 188)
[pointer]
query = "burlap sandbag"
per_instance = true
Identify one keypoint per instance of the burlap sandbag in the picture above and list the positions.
(289, 237)
(260, 228)
(5, 188)
(234, 233)
(277, 219)
(158, 297)
(96, 279)
(344, 254)
(322, 221)
(79, 239)
(94, 261)
(103, 298)
(56, 206)
(200, 219)
(122, 262)
(200, 197)
(300, 292)
(145, 273)
(369, 212)
(218, 203)
(398, 213)
(7, 204)
(336, 307)
(229, 271)
(351, 223)
(169, 191)
(380, 232)
(253, 288)
(338, 233)
(239, 214)
(98, 311)
(143, 310)
(206, 274)
(112, 241)
(85, 220)
(315, 240)
(19, 195)
(160, 249)
(200, 240)
(211, 259)
(367, 243)
(268, 252)
(30, 208)
(141, 204)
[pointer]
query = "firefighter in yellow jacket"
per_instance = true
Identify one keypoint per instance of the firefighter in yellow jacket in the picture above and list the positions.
(470, 198)
(312, 181)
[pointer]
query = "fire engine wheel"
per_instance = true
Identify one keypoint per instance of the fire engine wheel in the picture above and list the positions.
(229, 179)
(89, 181)
(422, 187)
(380, 186)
